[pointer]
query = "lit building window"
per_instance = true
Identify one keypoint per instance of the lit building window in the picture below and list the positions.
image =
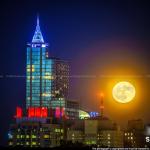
(22, 136)
(33, 143)
(10, 136)
(46, 136)
(48, 77)
(33, 136)
(46, 94)
(62, 131)
(10, 143)
(59, 130)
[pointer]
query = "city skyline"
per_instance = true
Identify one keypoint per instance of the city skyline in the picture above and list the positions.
(128, 62)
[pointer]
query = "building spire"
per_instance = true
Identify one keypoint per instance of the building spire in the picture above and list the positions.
(37, 20)
(37, 37)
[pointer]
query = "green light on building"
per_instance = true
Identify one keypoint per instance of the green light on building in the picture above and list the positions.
(33, 136)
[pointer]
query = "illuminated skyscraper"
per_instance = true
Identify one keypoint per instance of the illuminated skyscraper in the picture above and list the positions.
(46, 77)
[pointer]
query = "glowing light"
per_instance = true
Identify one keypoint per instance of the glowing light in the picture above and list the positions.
(33, 143)
(44, 112)
(93, 114)
(33, 136)
(123, 92)
(37, 38)
(28, 70)
(101, 94)
(37, 112)
(43, 45)
(18, 112)
(57, 112)
(48, 77)
(31, 112)
(46, 136)
(46, 94)
(83, 114)
(10, 136)
(60, 112)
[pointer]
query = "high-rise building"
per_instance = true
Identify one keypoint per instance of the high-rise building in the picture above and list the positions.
(43, 122)
(46, 77)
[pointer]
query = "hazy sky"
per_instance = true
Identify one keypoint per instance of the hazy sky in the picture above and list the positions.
(107, 41)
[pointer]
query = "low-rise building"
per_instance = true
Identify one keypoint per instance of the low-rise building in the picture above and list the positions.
(35, 133)
(103, 133)
(134, 136)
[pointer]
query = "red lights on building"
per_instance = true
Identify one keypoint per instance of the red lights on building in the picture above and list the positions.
(18, 112)
(37, 112)
(31, 112)
(42, 112)
(57, 112)
(60, 113)
(102, 104)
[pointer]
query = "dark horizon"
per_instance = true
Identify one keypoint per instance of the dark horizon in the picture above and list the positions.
(108, 40)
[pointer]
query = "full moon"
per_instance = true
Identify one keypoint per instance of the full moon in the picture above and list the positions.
(123, 92)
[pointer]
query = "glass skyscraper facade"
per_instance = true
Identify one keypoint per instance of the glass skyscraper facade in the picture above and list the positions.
(46, 78)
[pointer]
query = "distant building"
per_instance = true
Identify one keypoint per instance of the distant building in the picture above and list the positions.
(110, 138)
(35, 132)
(103, 133)
(75, 131)
(134, 136)
(99, 132)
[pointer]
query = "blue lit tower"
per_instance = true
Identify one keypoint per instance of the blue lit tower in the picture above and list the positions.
(46, 77)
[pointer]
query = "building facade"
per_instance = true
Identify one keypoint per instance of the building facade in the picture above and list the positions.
(97, 132)
(134, 135)
(46, 77)
(102, 132)
(32, 132)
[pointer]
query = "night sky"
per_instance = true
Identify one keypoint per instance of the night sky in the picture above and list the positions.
(105, 41)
